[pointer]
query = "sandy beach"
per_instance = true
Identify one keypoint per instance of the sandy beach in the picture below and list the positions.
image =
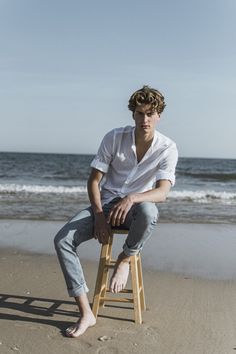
(190, 286)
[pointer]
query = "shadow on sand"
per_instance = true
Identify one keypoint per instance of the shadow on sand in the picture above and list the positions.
(43, 310)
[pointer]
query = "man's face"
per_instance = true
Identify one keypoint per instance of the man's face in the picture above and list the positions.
(145, 119)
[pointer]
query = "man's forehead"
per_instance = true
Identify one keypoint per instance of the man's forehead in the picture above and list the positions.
(145, 108)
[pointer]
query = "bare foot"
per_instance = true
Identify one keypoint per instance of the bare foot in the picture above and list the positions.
(120, 275)
(81, 326)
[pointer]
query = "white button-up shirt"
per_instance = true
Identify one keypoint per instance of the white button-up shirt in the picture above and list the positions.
(117, 158)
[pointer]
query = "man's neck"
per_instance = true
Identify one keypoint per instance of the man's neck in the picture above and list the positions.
(143, 139)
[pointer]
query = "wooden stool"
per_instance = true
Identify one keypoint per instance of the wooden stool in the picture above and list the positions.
(101, 289)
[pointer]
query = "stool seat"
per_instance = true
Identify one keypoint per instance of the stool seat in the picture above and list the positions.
(101, 288)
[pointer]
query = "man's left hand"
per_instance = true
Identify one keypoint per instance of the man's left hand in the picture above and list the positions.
(118, 213)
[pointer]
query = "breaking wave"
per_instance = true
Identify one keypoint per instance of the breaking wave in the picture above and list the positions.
(40, 189)
(199, 196)
(203, 196)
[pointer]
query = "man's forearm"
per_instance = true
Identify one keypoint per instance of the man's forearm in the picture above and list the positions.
(101, 228)
(95, 196)
(156, 195)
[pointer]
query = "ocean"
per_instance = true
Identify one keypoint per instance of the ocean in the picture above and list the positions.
(53, 187)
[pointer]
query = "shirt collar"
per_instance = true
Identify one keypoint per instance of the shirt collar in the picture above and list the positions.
(150, 150)
(153, 141)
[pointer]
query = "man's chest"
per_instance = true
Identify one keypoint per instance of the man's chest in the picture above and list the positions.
(125, 162)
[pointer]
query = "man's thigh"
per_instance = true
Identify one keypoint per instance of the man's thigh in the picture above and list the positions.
(144, 212)
(80, 227)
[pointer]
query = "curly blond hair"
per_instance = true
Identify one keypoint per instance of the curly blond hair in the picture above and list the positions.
(147, 95)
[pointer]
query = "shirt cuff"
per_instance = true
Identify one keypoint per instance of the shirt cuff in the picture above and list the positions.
(165, 175)
(99, 165)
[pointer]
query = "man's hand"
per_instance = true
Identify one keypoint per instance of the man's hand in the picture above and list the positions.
(102, 229)
(118, 213)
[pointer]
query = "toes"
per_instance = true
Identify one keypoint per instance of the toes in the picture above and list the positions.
(116, 286)
(73, 331)
(70, 330)
(112, 286)
(81, 326)
(79, 330)
(68, 333)
(76, 334)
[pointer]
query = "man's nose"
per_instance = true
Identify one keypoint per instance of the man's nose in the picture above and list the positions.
(145, 117)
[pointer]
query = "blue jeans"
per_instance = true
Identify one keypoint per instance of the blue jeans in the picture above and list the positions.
(140, 220)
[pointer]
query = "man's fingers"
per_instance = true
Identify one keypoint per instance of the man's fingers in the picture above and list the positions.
(123, 217)
(114, 216)
(117, 215)
(119, 212)
(109, 217)
(120, 217)
(117, 218)
(103, 237)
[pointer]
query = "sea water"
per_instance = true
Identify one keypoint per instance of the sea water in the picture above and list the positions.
(53, 187)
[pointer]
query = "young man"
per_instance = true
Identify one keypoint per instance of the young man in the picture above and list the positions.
(138, 164)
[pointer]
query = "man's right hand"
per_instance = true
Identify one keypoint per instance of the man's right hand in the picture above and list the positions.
(102, 229)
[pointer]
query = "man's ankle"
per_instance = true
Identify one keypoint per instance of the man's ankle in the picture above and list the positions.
(123, 257)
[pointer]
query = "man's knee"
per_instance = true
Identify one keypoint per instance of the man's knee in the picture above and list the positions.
(147, 212)
(60, 238)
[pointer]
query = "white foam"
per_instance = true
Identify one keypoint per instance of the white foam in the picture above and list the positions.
(204, 196)
(17, 188)
(200, 196)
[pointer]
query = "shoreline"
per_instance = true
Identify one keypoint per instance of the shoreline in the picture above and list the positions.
(63, 221)
(201, 250)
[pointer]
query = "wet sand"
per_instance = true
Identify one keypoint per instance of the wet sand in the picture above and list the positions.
(190, 294)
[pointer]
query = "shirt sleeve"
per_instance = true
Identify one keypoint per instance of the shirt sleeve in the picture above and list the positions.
(104, 155)
(168, 164)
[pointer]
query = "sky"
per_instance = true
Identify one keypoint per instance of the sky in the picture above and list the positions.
(68, 68)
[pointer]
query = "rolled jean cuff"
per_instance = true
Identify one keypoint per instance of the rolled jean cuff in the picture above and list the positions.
(129, 251)
(82, 289)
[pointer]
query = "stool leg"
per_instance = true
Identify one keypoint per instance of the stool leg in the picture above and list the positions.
(101, 278)
(140, 275)
(106, 270)
(136, 287)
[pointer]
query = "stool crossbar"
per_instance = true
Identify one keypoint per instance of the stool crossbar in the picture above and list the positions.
(101, 288)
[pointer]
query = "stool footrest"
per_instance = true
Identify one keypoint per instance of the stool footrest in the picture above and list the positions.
(108, 266)
(114, 299)
(124, 291)
(112, 263)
